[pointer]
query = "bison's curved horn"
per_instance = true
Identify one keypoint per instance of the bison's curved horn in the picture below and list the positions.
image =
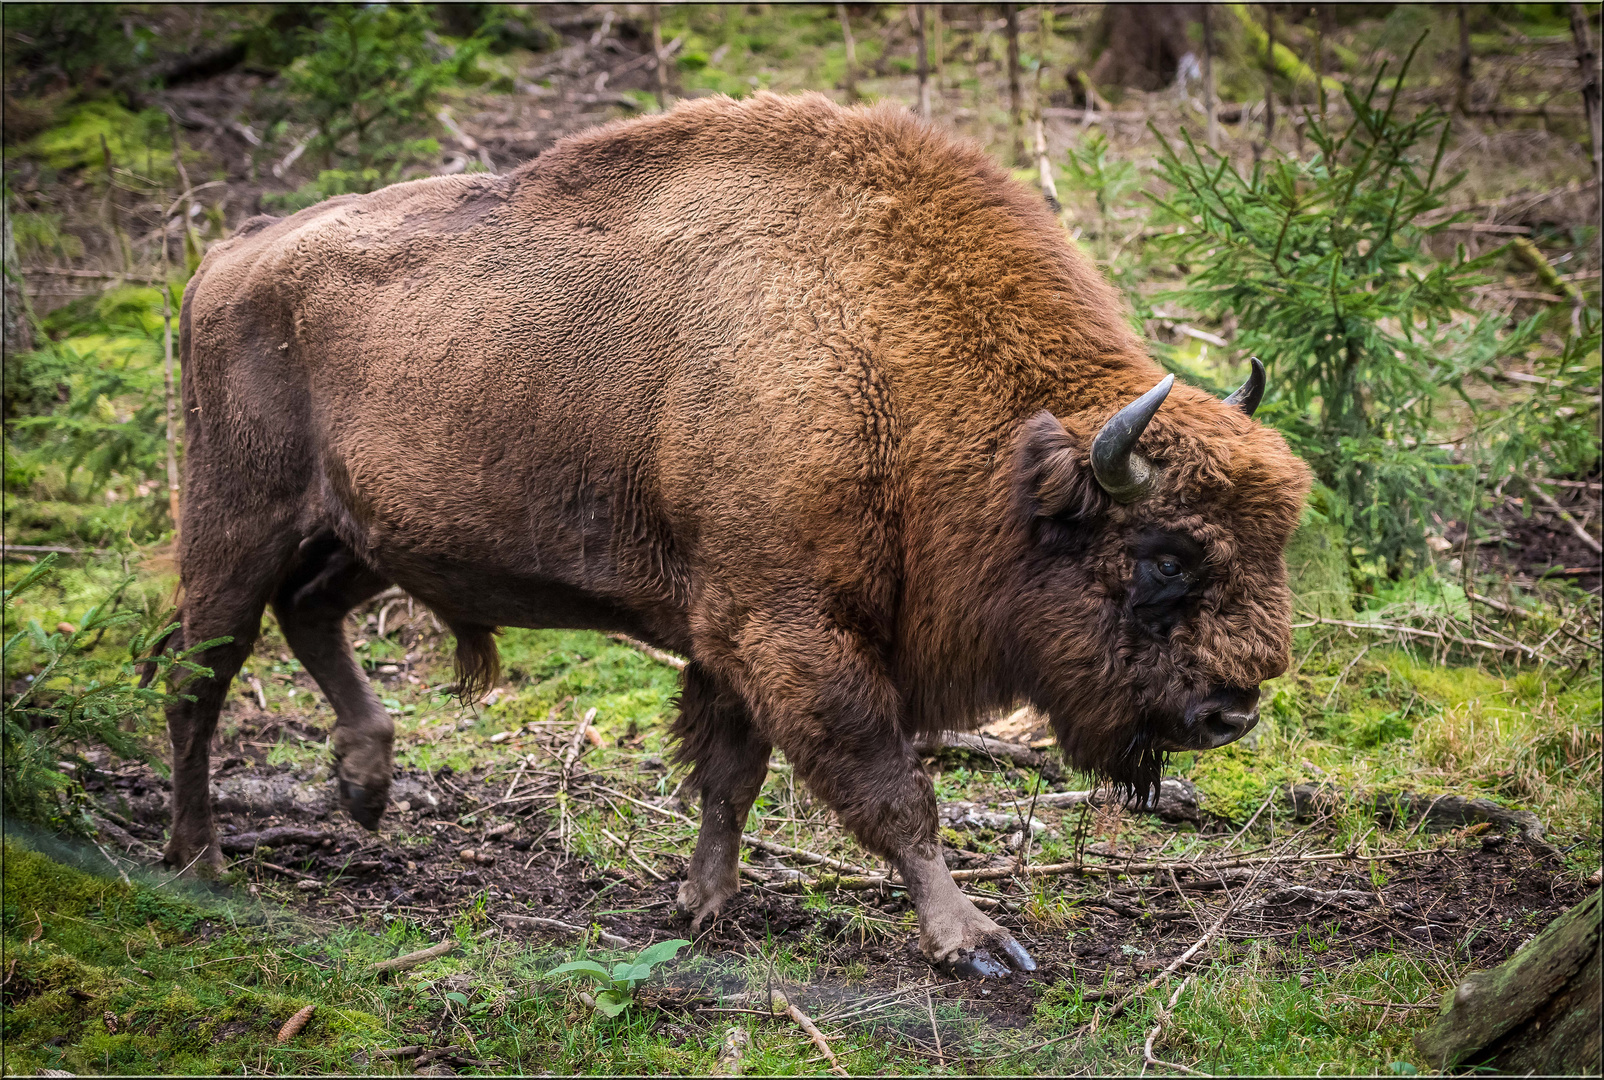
(1247, 396)
(1122, 472)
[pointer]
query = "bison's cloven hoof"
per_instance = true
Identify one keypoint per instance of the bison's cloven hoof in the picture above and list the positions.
(702, 902)
(1003, 958)
(365, 806)
(195, 860)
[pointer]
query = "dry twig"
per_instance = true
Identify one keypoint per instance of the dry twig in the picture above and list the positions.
(675, 662)
(800, 1019)
(1164, 1018)
(1586, 537)
(412, 960)
(567, 928)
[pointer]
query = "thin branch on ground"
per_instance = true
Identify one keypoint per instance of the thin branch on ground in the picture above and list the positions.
(1163, 1018)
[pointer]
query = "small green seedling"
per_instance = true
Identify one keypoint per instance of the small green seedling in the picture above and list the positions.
(618, 986)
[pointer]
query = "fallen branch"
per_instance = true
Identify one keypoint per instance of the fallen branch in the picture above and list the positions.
(1180, 961)
(290, 158)
(994, 873)
(1484, 227)
(989, 746)
(92, 275)
(52, 549)
(1164, 1018)
(399, 1052)
(571, 755)
(805, 856)
(1394, 628)
(1576, 527)
(800, 1019)
(568, 928)
(675, 662)
(245, 843)
(287, 872)
(412, 960)
(623, 845)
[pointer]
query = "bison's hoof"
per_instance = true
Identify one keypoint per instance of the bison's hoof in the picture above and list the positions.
(998, 962)
(197, 860)
(702, 901)
(366, 806)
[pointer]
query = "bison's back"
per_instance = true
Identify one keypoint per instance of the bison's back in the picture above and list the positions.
(642, 354)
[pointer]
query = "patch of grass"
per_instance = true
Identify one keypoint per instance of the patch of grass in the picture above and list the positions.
(1267, 1011)
(198, 982)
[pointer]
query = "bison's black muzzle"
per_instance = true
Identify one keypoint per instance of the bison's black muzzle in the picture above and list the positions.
(1219, 719)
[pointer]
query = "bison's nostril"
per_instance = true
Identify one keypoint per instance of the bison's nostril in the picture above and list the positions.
(1228, 725)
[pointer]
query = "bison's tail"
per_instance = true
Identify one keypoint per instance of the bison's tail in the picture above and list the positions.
(478, 662)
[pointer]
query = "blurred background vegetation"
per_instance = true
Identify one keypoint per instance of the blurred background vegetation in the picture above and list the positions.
(1394, 206)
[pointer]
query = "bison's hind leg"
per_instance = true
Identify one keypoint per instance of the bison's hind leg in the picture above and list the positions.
(730, 761)
(229, 565)
(311, 606)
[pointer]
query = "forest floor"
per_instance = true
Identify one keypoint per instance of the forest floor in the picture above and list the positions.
(1349, 892)
(1346, 900)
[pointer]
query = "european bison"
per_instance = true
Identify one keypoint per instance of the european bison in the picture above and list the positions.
(816, 396)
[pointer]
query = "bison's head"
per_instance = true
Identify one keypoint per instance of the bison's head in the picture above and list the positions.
(1151, 599)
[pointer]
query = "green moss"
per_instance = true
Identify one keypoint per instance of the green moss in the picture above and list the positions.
(1234, 781)
(138, 142)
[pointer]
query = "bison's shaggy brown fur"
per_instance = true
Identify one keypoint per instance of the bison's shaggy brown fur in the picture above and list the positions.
(803, 392)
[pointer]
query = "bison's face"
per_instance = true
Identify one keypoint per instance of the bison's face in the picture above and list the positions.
(1151, 599)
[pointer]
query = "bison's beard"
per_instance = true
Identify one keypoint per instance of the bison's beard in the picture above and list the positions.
(1121, 756)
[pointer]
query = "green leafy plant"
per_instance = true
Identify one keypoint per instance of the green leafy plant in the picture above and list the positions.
(74, 700)
(1368, 337)
(85, 418)
(1108, 183)
(369, 73)
(617, 987)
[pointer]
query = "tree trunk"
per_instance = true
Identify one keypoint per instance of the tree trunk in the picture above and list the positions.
(924, 58)
(18, 330)
(1587, 57)
(1209, 108)
(849, 82)
(938, 41)
(1044, 166)
(657, 53)
(1537, 1012)
(1016, 121)
(1322, 31)
(1269, 73)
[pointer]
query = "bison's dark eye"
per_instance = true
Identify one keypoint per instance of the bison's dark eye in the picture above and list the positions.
(1169, 567)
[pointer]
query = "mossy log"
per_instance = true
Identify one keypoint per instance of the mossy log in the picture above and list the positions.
(1287, 64)
(1538, 1012)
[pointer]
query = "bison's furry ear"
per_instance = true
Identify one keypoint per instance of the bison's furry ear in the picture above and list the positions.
(1053, 475)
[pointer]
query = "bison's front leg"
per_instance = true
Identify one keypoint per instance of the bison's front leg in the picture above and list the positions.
(886, 799)
(841, 734)
(953, 933)
(730, 762)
